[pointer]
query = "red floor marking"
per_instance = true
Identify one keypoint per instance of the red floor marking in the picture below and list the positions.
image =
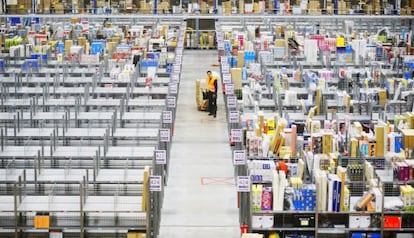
(217, 180)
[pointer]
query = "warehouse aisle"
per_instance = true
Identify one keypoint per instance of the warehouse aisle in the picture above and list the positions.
(200, 198)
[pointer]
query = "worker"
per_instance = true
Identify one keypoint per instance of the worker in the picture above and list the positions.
(212, 93)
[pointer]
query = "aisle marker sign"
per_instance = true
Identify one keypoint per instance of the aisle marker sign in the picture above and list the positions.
(175, 78)
(165, 135)
(229, 89)
(234, 116)
(231, 101)
(226, 69)
(167, 117)
(177, 68)
(226, 78)
(239, 157)
(160, 157)
(173, 88)
(155, 183)
(171, 101)
(236, 135)
(243, 184)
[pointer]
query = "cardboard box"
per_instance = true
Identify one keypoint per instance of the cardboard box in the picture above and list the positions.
(379, 137)
(408, 138)
(236, 75)
(240, 59)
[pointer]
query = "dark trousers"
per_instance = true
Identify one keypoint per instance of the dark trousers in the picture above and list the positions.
(212, 103)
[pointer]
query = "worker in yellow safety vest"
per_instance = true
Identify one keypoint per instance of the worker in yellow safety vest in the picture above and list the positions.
(212, 94)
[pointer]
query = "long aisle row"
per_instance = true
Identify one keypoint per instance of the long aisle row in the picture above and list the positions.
(200, 198)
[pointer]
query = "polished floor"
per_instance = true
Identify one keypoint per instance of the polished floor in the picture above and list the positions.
(200, 197)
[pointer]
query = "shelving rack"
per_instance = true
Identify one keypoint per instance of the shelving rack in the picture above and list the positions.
(289, 223)
(79, 148)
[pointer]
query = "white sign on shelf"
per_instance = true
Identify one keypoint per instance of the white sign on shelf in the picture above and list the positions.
(231, 101)
(171, 101)
(165, 135)
(155, 183)
(226, 78)
(176, 68)
(224, 60)
(173, 89)
(236, 135)
(167, 117)
(239, 157)
(160, 157)
(226, 69)
(229, 89)
(175, 78)
(55, 234)
(234, 116)
(375, 116)
(243, 184)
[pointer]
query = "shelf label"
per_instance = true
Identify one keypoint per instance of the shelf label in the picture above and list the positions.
(231, 101)
(171, 101)
(229, 89)
(155, 183)
(167, 117)
(175, 78)
(234, 116)
(225, 68)
(160, 157)
(173, 89)
(239, 157)
(165, 135)
(177, 68)
(243, 184)
(226, 78)
(236, 135)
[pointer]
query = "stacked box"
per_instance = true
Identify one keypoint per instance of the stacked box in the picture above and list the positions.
(368, 9)
(68, 45)
(144, 7)
(314, 7)
(46, 6)
(203, 7)
(226, 7)
(342, 9)
(59, 8)
(236, 76)
(379, 137)
(327, 142)
(408, 138)
(241, 6)
(377, 7)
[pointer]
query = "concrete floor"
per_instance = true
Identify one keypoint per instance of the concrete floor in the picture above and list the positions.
(200, 198)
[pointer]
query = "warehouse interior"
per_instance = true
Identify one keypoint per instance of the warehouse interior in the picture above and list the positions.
(106, 130)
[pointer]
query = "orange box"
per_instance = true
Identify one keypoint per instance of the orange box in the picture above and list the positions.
(42, 222)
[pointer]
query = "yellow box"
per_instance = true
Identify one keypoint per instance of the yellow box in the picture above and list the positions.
(408, 137)
(379, 137)
(340, 42)
(240, 59)
(327, 141)
(41, 222)
(354, 147)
